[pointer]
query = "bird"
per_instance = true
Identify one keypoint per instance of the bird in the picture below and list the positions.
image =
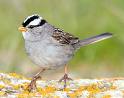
(50, 47)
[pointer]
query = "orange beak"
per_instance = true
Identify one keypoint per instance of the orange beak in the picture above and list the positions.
(22, 29)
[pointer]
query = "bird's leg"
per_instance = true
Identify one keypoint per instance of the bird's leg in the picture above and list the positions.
(65, 77)
(32, 84)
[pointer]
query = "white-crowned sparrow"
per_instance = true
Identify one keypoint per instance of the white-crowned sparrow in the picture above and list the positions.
(50, 47)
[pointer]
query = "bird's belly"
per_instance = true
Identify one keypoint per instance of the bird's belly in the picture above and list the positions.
(51, 56)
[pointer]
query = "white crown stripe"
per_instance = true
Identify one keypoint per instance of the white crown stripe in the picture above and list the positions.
(32, 16)
(35, 22)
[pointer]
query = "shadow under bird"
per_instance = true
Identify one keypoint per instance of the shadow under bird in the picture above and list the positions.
(50, 47)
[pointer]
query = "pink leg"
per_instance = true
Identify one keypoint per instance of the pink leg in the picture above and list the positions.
(32, 84)
(65, 77)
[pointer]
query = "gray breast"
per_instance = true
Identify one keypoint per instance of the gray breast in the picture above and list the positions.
(49, 54)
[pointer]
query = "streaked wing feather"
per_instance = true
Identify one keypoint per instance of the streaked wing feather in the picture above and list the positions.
(64, 37)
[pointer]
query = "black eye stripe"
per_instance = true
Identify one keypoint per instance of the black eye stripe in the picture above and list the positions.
(24, 24)
(40, 24)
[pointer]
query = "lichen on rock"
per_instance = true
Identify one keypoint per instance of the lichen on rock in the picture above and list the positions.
(13, 85)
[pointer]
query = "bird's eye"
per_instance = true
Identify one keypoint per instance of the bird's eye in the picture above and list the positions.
(31, 26)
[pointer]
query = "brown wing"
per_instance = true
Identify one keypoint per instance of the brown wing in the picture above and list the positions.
(64, 37)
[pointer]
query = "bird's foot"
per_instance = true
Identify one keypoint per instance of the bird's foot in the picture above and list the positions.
(32, 85)
(65, 78)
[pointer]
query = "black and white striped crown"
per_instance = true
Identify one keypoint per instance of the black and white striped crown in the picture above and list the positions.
(33, 20)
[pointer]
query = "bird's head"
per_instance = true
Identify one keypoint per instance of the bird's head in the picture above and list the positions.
(32, 26)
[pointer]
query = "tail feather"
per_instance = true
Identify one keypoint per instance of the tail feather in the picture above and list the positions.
(94, 39)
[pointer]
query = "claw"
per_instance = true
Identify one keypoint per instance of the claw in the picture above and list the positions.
(65, 78)
(32, 85)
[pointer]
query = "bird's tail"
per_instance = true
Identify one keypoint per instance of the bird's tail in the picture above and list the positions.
(94, 39)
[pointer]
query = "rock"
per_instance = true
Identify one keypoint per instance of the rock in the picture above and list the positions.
(13, 85)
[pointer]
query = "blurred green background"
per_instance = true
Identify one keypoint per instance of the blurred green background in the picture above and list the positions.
(83, 18)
